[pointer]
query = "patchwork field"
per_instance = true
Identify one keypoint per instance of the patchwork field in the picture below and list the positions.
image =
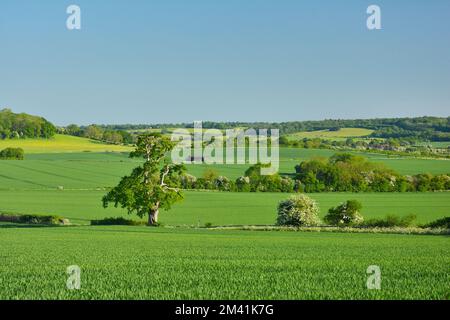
(172, 263)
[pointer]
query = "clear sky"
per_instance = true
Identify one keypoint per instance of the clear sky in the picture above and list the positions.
(224, 60)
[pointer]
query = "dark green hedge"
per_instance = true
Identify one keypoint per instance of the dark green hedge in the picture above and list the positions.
(116, 222)
(12, 154)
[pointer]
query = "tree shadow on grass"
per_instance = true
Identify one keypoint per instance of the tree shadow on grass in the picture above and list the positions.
(8, 225)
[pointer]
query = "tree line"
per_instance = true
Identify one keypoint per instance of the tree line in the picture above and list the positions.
(99, 133)
(420, 128)
(341, 173)
(22, 125)
(398, 146)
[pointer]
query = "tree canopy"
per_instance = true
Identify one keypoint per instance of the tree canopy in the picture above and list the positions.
(150, 186)
(22, 125)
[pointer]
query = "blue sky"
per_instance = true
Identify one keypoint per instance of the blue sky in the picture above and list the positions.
(235, 60)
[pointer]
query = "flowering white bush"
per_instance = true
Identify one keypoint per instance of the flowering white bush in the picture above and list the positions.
(299, 210)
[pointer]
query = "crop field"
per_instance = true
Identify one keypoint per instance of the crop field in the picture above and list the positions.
(60, 143)
(343, 133)
(221, 208)
(90, 170)
(185, 263)
(149, 263)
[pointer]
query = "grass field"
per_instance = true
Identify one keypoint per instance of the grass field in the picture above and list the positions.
(98, 170)
(221, 208)
(149, 263)
(60, 143)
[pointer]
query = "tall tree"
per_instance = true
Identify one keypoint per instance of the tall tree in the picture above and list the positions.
(149, 187)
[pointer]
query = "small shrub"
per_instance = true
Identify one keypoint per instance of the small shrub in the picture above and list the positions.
(208, 225)
(392, 221)
(12, 154)
(346, 214)
(116, 222)
(443, 223)
(298, 210)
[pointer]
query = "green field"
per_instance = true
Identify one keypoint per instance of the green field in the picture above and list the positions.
(98, 170)
(172, 263)
(60, 143)
(221, 208)
(149, 263)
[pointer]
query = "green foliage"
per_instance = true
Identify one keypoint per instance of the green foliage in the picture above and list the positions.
(299, 210)
(346, 214)
(33, 219)
(13, 125)
(99, 133)
(116, 222)
(208, 224)
(349, 172)
(149, 187)
(12, 154)
(392, 221)
(440, 223)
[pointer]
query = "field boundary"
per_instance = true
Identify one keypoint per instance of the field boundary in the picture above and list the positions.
(393, 230)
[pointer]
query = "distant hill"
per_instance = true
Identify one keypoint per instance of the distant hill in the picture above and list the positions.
(22, 125)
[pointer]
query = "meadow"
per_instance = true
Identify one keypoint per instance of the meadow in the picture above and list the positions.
(161, 263)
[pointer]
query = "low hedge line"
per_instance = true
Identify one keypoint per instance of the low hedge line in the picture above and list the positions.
(392, 230)
(116, 222)
(33, 219)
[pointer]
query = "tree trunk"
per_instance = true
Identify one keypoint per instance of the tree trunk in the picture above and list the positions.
(153, 217)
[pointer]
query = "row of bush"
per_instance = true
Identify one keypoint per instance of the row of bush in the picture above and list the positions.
(402, 146)
(342, 172)
(12, 154)
(98, 133)
(116, 222)
(33, 219)
(346, 172)
(302, 211)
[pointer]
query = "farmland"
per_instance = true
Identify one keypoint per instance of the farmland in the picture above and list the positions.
(191, 263)
(340, 134)
(149, 263)
(60, 143)
(221, 208)
(98, 170)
